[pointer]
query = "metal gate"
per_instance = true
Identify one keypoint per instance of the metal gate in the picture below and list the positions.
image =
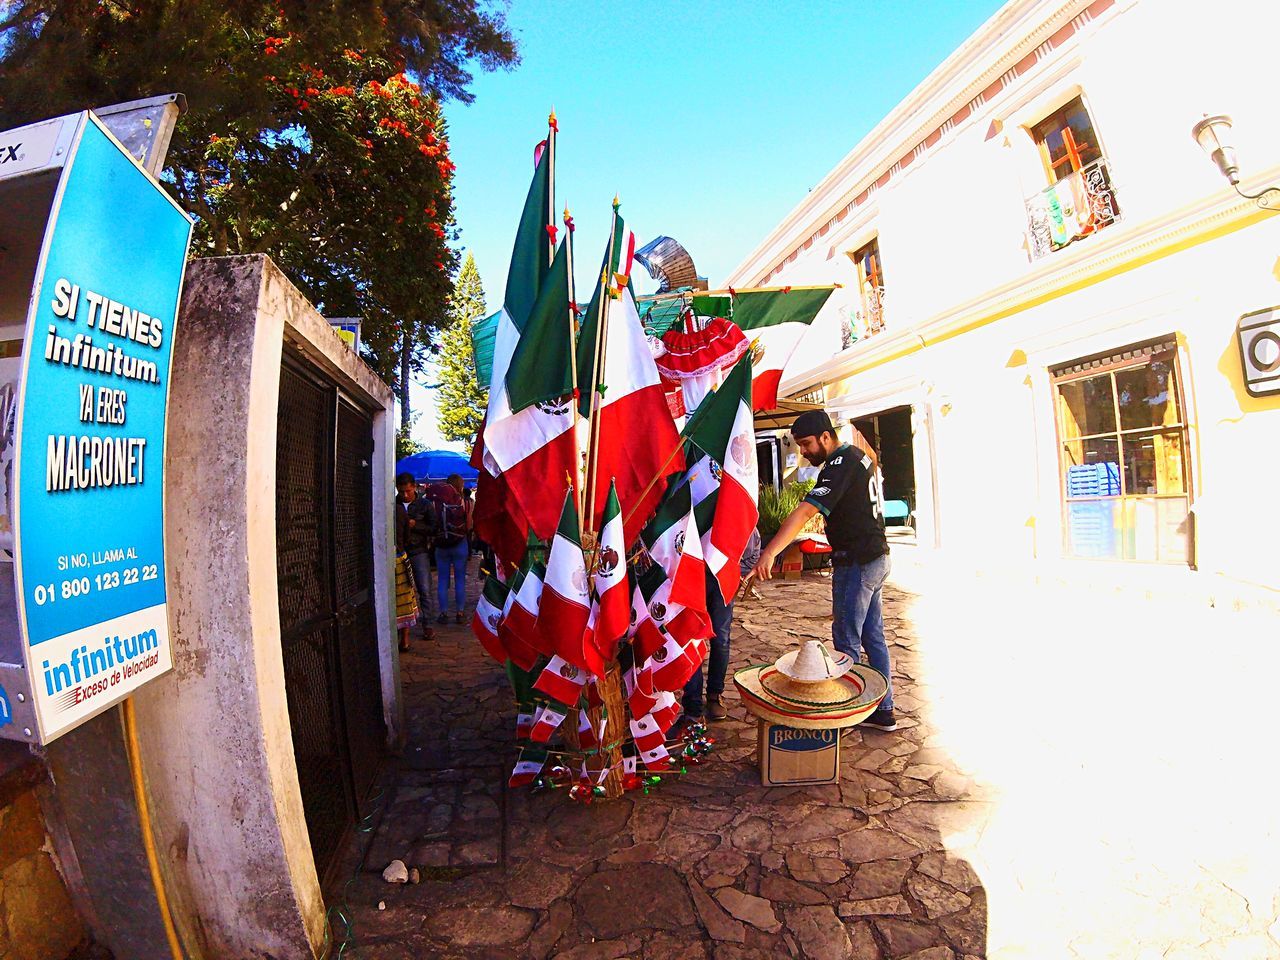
(324, 543)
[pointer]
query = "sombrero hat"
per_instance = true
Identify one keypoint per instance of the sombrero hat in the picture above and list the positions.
(812, 689)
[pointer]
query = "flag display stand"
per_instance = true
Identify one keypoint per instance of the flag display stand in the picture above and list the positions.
(609, 522)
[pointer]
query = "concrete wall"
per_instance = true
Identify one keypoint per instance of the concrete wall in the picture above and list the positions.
(215, 737)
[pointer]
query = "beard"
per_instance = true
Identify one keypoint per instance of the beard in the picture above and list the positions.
(816, 459)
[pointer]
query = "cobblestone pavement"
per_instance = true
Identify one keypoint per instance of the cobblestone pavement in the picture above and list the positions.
(710, 865)
(913, 855)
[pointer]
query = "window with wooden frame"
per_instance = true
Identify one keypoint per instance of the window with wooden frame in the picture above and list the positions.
(870, 286)
(1067, 141)
(1122, 449)
(1079, 200)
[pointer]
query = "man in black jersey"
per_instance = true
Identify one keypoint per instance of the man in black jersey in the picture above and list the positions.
(847, 494)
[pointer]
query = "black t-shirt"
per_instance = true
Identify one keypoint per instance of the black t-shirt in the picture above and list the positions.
(848, 496)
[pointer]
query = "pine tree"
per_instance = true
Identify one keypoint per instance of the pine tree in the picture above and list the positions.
(461, 401)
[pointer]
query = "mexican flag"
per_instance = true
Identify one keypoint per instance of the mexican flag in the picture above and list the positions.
(566, 599)
(646, 733)
(527, 768)
(622, 379)
(561, 681)
(488, 617)
(529, 436)
(499, 519)
(657, 616)
(774, 321)
(612, 612)
(723, 428)
(518, 630)
(546, 721)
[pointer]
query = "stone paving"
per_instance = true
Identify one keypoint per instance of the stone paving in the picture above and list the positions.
(709, 865)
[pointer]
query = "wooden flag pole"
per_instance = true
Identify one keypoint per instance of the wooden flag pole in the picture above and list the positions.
(599, 355)
(572, 313)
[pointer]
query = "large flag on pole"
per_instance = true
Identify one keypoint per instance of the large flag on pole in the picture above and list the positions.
(723, 427)
(634, 431)
(774, 321)
(499, 518)
(529, 434)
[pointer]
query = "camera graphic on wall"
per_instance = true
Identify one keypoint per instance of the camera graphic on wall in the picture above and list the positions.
(1259, 335)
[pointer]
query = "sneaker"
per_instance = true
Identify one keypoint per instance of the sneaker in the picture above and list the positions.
(443, 618)
(882, 719)
(716, 710)
(457, 617)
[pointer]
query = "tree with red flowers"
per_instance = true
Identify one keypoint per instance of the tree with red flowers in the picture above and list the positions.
(314, 132)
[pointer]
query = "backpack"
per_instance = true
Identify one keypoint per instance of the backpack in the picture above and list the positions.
(451, 516)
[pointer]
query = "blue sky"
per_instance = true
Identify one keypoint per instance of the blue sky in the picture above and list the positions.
(710, 120)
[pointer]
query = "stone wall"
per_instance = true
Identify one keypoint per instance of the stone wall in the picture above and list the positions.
(37, 919)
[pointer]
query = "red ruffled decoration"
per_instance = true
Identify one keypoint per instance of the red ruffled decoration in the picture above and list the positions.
(719, 344)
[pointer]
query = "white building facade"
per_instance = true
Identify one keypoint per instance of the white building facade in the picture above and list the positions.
(1043, 276)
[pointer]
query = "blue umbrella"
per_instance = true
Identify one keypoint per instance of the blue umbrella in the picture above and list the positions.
(437, 465)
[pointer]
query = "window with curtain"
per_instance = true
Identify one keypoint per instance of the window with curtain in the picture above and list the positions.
(1123, 455)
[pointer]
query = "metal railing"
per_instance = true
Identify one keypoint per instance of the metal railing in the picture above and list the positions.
(1075, 207)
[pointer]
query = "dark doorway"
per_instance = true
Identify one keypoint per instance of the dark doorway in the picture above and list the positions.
(324, 542)
(889, 433)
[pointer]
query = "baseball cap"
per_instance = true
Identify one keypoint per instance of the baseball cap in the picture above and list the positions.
(811, 423)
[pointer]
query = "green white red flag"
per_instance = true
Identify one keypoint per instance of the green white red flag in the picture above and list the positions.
(611, 613)
(529, 436)
(562, 681)
(518, 630)
(723, 427)
(488, 617)
(622, 380)
(499, 518)
(527, 768)
(566, 597)
(775, 321)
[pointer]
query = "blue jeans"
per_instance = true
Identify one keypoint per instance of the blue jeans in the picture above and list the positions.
(452, 560)
(421, 564)
(858, 622)
(721, 614)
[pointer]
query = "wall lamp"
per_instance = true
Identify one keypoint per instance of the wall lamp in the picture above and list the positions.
(1214, 136)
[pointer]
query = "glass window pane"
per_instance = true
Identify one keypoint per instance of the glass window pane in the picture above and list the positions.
(1086, 406)
(1153, 464)
(1148, 395)
(1091, 467)
(1091, 529)
(1154, 530)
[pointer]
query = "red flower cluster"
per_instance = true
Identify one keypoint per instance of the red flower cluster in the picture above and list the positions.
(352, 55)
(341, 91)
(273, 45)
(398, 126)
(446, 168)
(437, 230)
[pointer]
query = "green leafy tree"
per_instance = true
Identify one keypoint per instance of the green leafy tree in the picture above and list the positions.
(406, 446)
(314, 133)
(461, 402)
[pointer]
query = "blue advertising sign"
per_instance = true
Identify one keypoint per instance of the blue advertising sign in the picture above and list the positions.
(91, 432)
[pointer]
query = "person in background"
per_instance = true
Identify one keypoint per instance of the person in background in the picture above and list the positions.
(419, 542)
(717, 664)
(848, 496)
(406, 593)
(452, 550)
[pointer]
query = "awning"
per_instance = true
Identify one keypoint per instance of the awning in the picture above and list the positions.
(782, 416)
